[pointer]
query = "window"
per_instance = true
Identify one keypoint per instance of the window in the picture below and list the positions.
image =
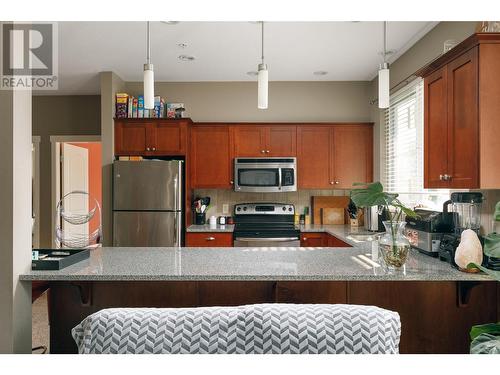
(404, 133)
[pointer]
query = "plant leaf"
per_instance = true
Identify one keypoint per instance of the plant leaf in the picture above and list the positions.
(371, 195)
(492, 273)
(492, 245)
(497, 212)
(485, 344)
(490, 328)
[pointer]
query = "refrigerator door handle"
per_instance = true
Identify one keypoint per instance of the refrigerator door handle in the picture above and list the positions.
(176, 193)
(177, 229)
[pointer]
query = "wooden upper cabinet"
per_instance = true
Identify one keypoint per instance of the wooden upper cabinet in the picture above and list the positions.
(265, 140)
(463, 122)
(352, 155)
(461, 111)
(169, 138)
(334, 156)
(281, 140)
(435, 130)
(150, 137)
(210, 157)
(249, 140)
(314, 156)
(132, 138)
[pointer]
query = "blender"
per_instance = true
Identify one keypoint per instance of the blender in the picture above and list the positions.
(466, 210)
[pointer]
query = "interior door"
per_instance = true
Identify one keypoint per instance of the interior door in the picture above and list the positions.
(281, 140)
(314, 155)
(249, 140)
(435, 130)
(75, 177)
(352, 155)
(463, 122)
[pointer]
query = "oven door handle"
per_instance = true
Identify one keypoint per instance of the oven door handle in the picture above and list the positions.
(279, 178)
(259, 239)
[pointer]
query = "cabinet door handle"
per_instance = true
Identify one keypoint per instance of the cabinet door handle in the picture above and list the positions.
(231, 182)
(336, 182)
(210, 238)
(331, 182)
(447, 177)
(267, 151)
(262, 151)
(147, 149)
(154, 148)
(441, 177)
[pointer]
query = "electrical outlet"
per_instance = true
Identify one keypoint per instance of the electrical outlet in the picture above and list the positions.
(225, 208)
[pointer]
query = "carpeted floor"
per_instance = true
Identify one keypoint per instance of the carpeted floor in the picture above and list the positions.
(40, 323)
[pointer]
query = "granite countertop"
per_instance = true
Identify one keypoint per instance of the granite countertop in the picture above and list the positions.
(239, 263)
(229, 228)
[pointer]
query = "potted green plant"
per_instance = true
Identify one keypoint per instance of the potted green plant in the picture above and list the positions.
(393, 245)
(485, 338)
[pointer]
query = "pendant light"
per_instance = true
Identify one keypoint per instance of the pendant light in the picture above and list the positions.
(383, 77)
(149, 77)
(263, 77)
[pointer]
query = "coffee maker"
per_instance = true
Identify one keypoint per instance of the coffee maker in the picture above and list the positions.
(466, 209)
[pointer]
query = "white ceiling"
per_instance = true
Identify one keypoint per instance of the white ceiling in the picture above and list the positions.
(226, 51)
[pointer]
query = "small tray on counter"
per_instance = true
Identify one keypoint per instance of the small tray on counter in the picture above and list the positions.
(56, 259)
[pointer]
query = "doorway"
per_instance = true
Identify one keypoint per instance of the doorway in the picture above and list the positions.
(76, 166)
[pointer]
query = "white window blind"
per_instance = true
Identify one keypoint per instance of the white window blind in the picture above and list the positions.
(404, 133)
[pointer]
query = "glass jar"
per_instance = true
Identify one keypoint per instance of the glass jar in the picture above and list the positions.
(394, 247)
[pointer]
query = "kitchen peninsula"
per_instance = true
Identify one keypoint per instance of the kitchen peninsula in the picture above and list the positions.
(436, 302)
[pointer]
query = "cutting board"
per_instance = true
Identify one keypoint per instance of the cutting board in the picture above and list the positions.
(320, 202)
(334, 216)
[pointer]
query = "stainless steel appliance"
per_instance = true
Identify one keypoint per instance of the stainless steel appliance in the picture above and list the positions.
(466, 209)
(147, 203)
(426, 231)
(265, 175)
(265, 225)
(373, 217)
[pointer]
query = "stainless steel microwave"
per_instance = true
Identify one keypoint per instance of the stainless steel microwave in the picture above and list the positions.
(265, 175)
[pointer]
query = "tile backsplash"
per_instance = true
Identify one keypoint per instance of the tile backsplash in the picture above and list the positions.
(300, 198)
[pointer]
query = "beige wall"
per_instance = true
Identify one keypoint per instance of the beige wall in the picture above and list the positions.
(15, 221)
(288, 101)
(60, 115)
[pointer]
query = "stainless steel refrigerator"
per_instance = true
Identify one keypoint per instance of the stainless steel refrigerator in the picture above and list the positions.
(147, 203)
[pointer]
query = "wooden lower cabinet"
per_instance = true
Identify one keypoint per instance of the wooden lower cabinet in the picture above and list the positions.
(311, 239)
(431, 319)
(321, 239)
(209, 239)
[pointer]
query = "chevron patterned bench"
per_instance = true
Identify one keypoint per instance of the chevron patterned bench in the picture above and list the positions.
(262, 328)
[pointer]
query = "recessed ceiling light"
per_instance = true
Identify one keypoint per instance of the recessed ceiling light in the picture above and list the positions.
(170, 22)
(253, 73)
(186, 58)
(182, 45)
(320, 73)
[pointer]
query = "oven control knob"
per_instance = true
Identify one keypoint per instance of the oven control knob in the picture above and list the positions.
(289, 208)
(284, 208)
(238, 209)
(245, 208)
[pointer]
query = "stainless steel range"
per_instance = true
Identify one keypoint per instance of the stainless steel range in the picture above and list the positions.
(265, 225)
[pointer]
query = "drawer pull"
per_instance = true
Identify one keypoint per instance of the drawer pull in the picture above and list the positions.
(210, 238)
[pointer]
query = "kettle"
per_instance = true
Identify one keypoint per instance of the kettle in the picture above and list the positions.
(374, 216)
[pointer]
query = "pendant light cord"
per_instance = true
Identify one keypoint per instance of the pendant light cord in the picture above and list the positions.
(148, 57)
(385, 41)
(262, 41)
